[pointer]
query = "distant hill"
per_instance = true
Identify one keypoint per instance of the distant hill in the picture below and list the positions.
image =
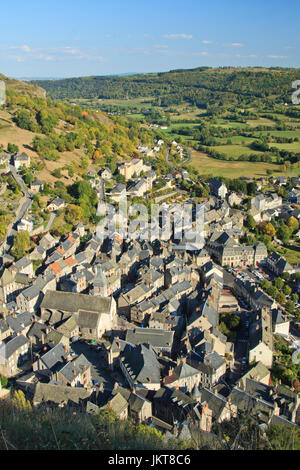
(202, 86)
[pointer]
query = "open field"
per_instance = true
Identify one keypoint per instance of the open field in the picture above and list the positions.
(211, 166)
(292, 253)
(235, 150)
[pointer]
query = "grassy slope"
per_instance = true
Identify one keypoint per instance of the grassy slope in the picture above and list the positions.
(207, 165)
(9, 132)
(25, 88)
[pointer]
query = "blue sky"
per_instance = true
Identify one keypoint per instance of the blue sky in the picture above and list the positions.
(95, 37)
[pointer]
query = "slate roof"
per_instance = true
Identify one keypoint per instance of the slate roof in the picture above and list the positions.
(55, 357)
(156, 338)
(21, 321)
(59, 393)
(72, 302)
(8, 349)
(142, 364)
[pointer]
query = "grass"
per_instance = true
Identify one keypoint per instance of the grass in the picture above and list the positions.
(66, 429)
(211, 166)
(292, 253)
(235, 150)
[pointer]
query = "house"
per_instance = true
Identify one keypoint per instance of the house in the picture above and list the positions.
(105, 173)
(5, 330)
(25, 224)
(140, 409)
(47, 242)
(159, 340)
(134, 167)
(21, 160)
(222, 409)
(278, 265)
(76, 373)
(294, 196)
(52, 360)
(12, 354)
(173, 407)
(61, 396)
(94, 315)
(262, 202)
(37, 186)
(234, 199)
(8, 286)
(140, 367)
(183, 377)
(258, 372)
(138, 189)
(29, 299)
(119, 405)
(56, 204)
(212, 367)
(23, 266)
(217, 188)
(118, 192)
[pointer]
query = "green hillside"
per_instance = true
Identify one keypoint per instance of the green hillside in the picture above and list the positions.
(201, 86)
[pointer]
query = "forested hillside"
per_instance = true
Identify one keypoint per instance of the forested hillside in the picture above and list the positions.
(201, 86)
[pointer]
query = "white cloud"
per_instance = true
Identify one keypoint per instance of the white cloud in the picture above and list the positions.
(21, 48)
(178, 36)
(277, 56)
(205, 41)
(249, 56)
(236, 44)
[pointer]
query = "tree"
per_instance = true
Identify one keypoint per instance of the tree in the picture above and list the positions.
(287, 290)
(269, 230)
(96, 155)
(12, 148)
(73, 214)
(20, 402)
(250, 222)
(284, 234)
(285, 276)
(290, 306)
(21, 244)
(3, 381)
(293, 224)
(279, 283)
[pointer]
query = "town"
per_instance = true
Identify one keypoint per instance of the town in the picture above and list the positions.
(156, 330)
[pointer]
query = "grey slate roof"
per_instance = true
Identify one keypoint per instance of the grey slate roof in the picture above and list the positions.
(8, 349)
(72, 302)
(142, 364)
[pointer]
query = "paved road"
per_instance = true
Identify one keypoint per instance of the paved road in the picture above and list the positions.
(24, 206)
(241, 347)
(50, 222)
